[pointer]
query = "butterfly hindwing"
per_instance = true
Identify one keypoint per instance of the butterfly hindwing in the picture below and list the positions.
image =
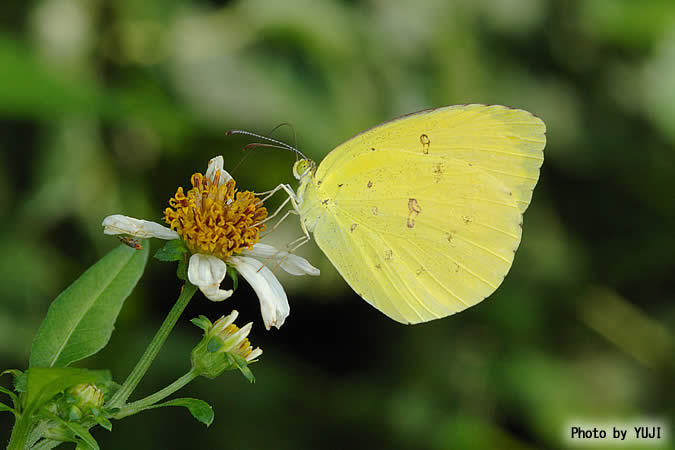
(412, 253)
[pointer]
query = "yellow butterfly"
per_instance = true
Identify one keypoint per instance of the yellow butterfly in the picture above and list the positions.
(422, 215)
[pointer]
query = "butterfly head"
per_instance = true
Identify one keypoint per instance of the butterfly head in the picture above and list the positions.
(303, 167)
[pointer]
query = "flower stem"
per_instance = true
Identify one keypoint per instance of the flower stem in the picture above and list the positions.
(20, 432)
(151, 352)
(133, 408)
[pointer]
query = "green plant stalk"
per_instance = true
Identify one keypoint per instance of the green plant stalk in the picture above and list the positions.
(151, 352)
(137, 406)
(21, 431)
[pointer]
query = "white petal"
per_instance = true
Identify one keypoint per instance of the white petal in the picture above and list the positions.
(119, 224)
(215, 165)
(207, 272)
(224, 322)
(293, 264)
(273, 301)
(254, 354)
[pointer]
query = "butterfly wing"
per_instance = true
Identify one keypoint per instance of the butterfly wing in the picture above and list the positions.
(422, 215)
(419, 237)
(506, 143)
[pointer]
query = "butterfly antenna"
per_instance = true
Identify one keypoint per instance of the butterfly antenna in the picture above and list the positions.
(280, 145)
(252, 146)
(295, 136)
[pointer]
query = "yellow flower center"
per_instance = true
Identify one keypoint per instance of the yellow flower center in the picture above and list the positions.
(244, 348)
(216, 220)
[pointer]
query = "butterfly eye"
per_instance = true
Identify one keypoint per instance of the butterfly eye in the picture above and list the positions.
(301, 167)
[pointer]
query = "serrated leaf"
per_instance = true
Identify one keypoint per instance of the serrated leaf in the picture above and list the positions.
(18, 379)
(81, 319)
(20, 382)
(199, 409)
(242, 365)
(202, 322)
(173, 250)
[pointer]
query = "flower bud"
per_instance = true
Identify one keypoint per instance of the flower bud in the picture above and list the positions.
(223, 346)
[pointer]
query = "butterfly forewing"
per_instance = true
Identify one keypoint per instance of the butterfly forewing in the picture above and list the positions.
(505, 142)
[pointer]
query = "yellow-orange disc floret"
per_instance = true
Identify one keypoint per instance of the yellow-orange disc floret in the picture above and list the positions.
(216, 220)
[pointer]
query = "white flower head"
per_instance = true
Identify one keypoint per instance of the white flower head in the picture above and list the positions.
(221, 226)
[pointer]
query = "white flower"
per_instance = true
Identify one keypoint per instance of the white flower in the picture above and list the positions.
(198, 217)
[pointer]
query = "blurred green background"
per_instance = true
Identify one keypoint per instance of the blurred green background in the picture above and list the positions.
(107, 106)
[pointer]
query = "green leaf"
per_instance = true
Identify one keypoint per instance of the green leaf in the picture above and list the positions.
(83, 433)
(4, 407)
(81, 319)
(202, 322)
(44, 383)
(12, 395)
(174, 250)
(199, 409)
(242, 365)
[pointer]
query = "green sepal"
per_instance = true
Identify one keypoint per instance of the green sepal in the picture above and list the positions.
(202, 322)
(173, 250)
(214, 344)
(234, 275)
(4, 407)
(241, 364)
(74, 414)
(182, 269)
(104, 422)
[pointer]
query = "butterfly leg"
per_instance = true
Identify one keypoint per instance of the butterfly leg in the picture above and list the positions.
(292, 197)
(285, 187)
(273, 215)
(291, 246)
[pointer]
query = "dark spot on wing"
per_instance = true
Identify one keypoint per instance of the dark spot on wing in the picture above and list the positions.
(370, 184)
(426, 142)
(438, 172)
(414, 210)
